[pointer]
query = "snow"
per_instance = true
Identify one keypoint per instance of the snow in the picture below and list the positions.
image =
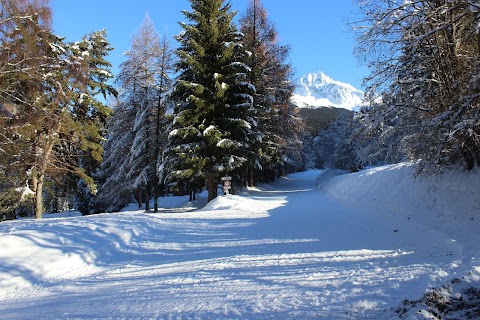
(106, 73)
(317, 90)
(24, 192)
(173, 133)
(313, 245)
(209, 130)
(82, 98)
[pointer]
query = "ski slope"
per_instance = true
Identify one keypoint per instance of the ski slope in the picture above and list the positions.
(314, 245)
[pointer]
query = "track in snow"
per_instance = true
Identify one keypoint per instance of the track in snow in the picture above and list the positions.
(286, 251)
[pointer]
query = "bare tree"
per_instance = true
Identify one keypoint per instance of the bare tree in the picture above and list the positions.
(424, 58)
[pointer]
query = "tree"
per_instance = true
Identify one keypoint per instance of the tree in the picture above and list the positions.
(165, 64)
(277, 142)
(24, 32)
(116, 189)
(211, 130)
(96, 48)
(424, 57)
(51, 85)
(138, 125)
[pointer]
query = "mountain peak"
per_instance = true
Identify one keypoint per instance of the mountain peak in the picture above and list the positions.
(315, 90)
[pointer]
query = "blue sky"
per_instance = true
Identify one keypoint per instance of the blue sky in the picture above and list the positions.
(316, 30)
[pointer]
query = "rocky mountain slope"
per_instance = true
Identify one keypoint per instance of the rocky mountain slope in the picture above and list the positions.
(317, 90)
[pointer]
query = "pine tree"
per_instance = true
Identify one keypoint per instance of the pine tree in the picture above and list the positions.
(277, 140)
(212, 128)
(94, 48)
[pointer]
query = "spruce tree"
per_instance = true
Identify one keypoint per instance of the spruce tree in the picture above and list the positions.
(212, 126)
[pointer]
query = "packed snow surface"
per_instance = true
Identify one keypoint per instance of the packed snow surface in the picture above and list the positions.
(316, 90)
(313, 245)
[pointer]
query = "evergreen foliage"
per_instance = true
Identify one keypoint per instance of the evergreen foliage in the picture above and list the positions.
(50, 86)
(212, 128)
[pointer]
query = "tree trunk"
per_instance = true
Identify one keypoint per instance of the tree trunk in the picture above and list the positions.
(39, 197)
(251, 176)
(139, 198)
(45, 153)
(155, 199)
(212, 188)
(156, 185)
(147, 197)
(283, 171)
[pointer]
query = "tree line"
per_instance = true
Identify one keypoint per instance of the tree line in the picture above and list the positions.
(218, 104)
(181, 118)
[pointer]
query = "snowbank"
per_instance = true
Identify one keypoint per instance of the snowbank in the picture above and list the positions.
(449, 203)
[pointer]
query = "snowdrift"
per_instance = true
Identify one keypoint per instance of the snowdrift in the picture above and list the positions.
(449, 203)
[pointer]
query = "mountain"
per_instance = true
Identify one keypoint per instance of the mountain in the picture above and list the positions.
(316, 90)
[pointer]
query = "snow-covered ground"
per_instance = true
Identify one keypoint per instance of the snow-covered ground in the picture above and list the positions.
(314, 245)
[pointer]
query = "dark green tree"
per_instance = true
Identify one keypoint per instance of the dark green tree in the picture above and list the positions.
(212, 127)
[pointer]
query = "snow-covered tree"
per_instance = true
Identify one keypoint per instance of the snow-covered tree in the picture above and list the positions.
(424, 57)
(50, 85)
(335, 146)
(212, 127)
(138, 126)
(116, 188)
(22, 44)
(277, 143)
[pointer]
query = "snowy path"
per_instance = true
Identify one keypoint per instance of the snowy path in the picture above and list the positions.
(291, 251)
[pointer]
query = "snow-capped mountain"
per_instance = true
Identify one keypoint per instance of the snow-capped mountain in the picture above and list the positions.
(316, 90)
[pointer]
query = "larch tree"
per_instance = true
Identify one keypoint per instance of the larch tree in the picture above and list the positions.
(24, 33)
(212, 126)
(165, 67)
(52, 87)
(271, 74)
(116, 189)
(138, 127)
(144, 56)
